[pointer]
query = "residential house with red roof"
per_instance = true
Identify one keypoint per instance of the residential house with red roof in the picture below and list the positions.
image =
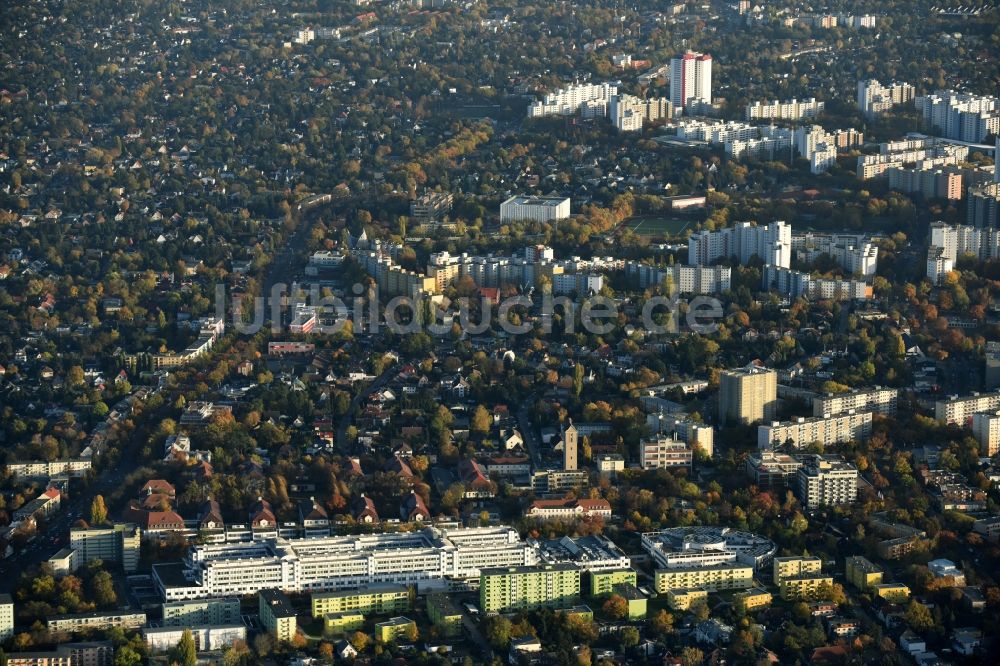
(413, 509)
(365, 511)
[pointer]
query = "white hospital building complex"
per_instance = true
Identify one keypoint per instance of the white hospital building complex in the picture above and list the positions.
(431, 558)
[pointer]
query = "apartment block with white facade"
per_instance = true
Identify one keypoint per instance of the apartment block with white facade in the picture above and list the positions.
(536, 209)
(960, 410)
(938, 264)
(898, 154)
(852, 252)
(716, 131)
(949, 242)
(961, 116)
(683, 279)
(774, 143)
(589, 98)
(684, 429)
(875, 99)
(825, 429)
(795, 284)
(827, 481)
(792, 109)
(986, 428)
(821, 147)
(771, 242)
(823, 158)
(628, 112)
(877, 399)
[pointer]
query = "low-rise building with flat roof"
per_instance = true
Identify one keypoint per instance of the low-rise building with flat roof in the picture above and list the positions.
(94, 653)
(754, 598)
(95, 621)
(683, 600)
(895, 593)
(394, 629)
(589, 553)
(207, 612)
(206, 637)
(336, 624)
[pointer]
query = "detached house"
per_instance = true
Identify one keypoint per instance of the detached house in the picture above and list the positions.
(313, 516)
(365, 511)
(211, 517)
(262, 520)
(413, 509)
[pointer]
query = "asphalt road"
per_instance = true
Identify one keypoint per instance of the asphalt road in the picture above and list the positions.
(285, 265)
(529, 432)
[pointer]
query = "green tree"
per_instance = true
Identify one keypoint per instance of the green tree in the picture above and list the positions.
(662, 624)
(799, 524)
(238, 654)
(75, 376)
(185, 653)
(616, 607)
(126, 656)
(578, 379)
(263, 644)
(628, 637)
(481, 421)
(692, 656)
(700, 610)
(98, 511)
(102, 586)
(919, 617)
(359, 640)
(498, 631)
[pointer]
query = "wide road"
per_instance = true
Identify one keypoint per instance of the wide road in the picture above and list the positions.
(286, 264)
(529, 433)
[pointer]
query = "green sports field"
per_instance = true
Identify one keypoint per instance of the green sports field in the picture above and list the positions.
(658, 226)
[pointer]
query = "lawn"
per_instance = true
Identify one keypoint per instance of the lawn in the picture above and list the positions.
(659, 226)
